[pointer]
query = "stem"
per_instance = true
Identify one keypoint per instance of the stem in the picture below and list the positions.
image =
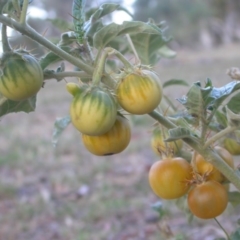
(24, 12)
(219, 224)
(5, 44)
(59, 76)
(98, 72)
(138, 61)
(128, 66)
(32, 34)
(219, 135)
(207, 153)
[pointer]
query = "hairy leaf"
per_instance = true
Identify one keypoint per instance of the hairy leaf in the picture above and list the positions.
(200, 99)
(166, 52)
(59, 126)
(104, 10)
(111, 31)
(179, 133)
(9, 106)
(233, 103)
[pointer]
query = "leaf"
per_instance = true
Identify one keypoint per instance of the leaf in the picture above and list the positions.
(233, 103)
(51, 57)
(221, 119)
(9, 106)
(111, 31)
(193, 101)
(104, 10)
(233, 119)
(179, 133)
(199, 99)
(151, 46)
(174, 82)
(166, 52)
(234, 198)
(158, 207)
(59, 126)
(235, 235)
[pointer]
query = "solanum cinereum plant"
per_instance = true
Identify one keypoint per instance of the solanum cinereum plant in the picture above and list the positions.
(105, 92)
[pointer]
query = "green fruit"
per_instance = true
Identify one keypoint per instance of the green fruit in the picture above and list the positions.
(22, 77)
(139, 92)
(232, 146)
(93, 111)
(160, 147)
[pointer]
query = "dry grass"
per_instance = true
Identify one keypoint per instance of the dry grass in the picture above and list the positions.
(67, 193)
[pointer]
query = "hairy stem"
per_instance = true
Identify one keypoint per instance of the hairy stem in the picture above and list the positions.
(219, 135)
(32, 34)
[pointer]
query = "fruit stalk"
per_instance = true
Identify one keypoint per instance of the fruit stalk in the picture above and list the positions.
(207, 153)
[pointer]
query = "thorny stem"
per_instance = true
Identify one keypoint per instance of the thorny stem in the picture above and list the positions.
(24, 12)
(219, 135)
(207, 153)
(32, 34)
(5, 44)
(138, 61)
(219, 224)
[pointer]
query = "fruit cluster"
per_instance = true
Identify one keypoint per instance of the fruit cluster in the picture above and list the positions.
(96, 110)
(173, 177)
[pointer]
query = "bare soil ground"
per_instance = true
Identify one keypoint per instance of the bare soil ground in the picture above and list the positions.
(65, 193)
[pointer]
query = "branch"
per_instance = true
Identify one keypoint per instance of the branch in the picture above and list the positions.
(32, 34)
(207, 153)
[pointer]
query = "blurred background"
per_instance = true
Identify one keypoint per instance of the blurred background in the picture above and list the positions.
(65, 193)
